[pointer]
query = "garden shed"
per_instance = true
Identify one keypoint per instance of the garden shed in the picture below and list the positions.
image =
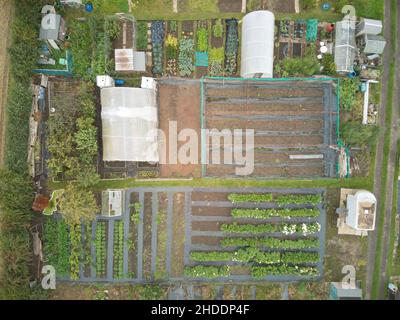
(257, 57)
(361, 211)
(345, 46)
(369, 26)
(129, 122)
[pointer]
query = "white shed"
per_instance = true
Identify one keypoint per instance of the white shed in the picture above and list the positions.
(369, 26)
(361, 209)
(257, 55)
(129, 124)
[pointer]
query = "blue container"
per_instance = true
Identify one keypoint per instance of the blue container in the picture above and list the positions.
(119, 82)
(352, 74)
(326, 6)
(89, 7)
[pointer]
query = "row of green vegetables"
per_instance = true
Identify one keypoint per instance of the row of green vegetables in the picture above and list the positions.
(255, 255)
(281, 200)
(286, 228)
(64, 247)
(257, 272)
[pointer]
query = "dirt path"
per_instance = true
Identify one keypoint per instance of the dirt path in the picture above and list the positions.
(372, 244)
(5, 22)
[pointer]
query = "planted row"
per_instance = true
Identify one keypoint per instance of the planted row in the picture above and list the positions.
(209, 272)
(267, 213)
(282, 270)
(286, 199)
(287, 229)
(255, 255)
(119, 249)
(273, 243)
(186, 53)
(76, 250)
(100, 246)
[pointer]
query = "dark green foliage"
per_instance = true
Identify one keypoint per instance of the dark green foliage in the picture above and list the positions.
(356, 134)
(56, 245)
(328, 62)
(81, 47)
(348, 90)
(15, 245)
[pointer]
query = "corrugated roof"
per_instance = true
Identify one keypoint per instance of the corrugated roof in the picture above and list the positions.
(130, 60)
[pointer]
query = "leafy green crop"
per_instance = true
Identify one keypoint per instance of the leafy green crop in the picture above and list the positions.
(267, 213)
(273, 243)
(209, 272)
(100, 246)
(119, 249)
(288, 229)
(202, 39)
(186, 53)
(262, 272)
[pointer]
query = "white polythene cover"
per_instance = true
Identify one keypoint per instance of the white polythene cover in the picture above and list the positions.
(257, 54)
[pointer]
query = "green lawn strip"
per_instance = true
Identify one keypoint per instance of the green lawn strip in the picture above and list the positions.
(392, 268)
(356, 183)
(386, 149)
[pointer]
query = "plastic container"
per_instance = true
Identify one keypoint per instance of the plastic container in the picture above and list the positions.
(89, 7)
(119, 82)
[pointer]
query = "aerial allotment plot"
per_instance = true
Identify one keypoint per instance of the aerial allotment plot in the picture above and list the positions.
(185, 150)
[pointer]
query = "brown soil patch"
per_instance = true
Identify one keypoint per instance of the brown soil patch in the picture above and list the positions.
(178, 235)
(180, 102)
(210, 211)
(212, 241)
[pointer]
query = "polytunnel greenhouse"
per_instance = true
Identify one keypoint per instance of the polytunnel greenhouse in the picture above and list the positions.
(257, 57)
(129, 122)
(345, 46)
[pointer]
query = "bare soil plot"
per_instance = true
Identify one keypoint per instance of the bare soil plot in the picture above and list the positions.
(178, 238)
(288, 118)
(179, 101)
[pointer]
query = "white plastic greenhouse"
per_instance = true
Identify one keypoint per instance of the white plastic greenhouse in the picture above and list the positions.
(345, 46)
(257, 55)
(129, 122)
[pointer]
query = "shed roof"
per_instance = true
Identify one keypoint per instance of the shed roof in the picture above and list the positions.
(374, 44)
(129, 123)
(130, 60)
(257, 52)
(50, 27)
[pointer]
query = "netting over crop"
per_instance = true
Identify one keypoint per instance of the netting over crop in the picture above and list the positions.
(345, 46)
(129, 120)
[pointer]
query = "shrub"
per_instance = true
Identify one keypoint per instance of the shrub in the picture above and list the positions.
(328, 62)
(357, 134)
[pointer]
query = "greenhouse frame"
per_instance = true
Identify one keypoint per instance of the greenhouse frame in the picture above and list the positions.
(345, 46)
(129, 124)
(257, 55)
